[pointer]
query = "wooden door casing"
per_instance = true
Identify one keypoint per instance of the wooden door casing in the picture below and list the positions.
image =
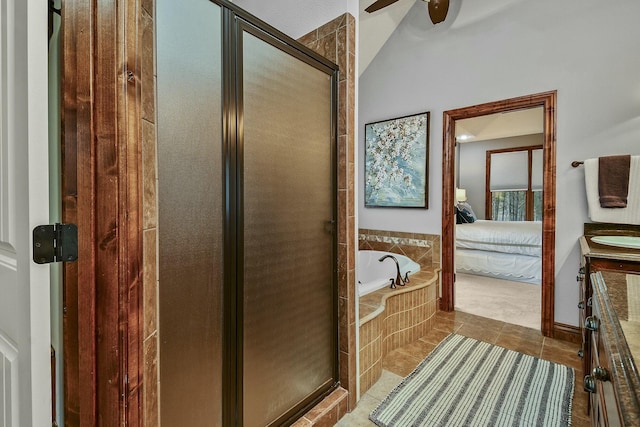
(548, 101)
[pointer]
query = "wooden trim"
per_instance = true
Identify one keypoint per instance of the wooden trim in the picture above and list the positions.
(529, 203)
(102, 195)
(514, 149)
(568, 333)
(548, 101)
(448, 212)
(488, 199)
(488, 205)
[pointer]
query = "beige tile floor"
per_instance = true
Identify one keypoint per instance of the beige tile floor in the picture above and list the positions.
(402, 361)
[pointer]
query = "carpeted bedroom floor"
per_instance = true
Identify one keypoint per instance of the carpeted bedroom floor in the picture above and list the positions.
(504, 300)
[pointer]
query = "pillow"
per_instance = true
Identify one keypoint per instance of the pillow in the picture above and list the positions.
(464, 213)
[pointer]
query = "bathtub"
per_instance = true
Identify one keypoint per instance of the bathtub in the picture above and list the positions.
(373, 274)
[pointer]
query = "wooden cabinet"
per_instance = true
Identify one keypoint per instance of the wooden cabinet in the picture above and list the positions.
(611, 379)
(598, 380)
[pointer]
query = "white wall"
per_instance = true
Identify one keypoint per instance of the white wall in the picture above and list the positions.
(296, 18)
(587, 52)
(473, 164)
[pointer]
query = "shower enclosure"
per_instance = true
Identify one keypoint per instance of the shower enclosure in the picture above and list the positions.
(246, 121)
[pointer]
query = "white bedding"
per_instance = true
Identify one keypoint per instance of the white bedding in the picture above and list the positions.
(522, 268)
(511, 237)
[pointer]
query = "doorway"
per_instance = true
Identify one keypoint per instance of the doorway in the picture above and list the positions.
(547, 101)
(498, 231)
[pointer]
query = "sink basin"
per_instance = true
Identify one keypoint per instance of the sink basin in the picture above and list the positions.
(631, 242)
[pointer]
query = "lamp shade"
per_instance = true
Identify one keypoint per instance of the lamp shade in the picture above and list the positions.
(461, 195)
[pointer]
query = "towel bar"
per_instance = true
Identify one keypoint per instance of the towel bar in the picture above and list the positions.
(576, 163)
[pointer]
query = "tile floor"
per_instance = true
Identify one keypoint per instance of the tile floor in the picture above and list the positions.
(402, 361)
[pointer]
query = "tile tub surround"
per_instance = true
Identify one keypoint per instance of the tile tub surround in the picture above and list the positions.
(328, 412)
(422, 248)
(391, 318)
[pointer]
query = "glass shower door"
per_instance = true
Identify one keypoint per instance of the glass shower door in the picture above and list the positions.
(287, 199)
(246, 220)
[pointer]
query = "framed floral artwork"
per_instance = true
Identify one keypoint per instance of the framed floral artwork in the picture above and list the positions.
(396, 168)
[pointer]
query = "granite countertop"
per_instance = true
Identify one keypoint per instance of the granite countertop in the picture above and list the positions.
(617, 297)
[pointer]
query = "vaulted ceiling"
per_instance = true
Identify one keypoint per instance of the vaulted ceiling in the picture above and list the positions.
(376, 28)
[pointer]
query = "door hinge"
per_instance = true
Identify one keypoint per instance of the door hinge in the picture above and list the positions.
(55, 243)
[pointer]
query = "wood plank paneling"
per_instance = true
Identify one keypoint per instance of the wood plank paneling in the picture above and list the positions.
(131, 249)
(77, 191)
(102, 195)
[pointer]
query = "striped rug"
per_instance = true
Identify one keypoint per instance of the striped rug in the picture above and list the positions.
(466, 382)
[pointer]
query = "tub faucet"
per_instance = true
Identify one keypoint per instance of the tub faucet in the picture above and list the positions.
(398, 280)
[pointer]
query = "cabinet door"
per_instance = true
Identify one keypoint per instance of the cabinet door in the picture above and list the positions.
(582, 306)
(585, 299)
(608, 404)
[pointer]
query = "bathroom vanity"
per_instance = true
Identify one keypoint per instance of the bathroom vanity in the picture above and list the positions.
(610, 324)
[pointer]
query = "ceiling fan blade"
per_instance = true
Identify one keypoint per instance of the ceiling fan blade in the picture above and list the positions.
(438, 10)
(379, 4)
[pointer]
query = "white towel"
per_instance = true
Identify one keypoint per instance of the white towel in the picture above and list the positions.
(628, 215)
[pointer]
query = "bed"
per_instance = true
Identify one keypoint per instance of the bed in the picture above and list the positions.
(509, 250)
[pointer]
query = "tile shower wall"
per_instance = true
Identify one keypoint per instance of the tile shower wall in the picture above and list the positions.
(422, 248)
(336, 41)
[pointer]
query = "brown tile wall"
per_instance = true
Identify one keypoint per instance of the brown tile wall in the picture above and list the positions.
(407, 316)
(151, 385)
(328, 412)
(422, 248)
(336, 40)
(371, 339)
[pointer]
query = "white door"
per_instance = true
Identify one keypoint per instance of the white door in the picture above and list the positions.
(25, 374)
